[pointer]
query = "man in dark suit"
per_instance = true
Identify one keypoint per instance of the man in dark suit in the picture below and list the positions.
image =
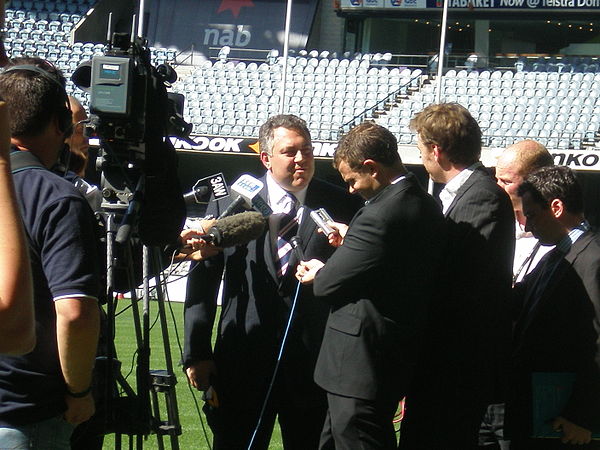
(378, 285)
(256, 302)
(469, 328)
(558, 316)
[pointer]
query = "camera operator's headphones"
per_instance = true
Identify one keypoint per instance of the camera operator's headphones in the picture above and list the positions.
(65, 115)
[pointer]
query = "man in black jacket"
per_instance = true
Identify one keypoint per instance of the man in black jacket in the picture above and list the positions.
(558, 314)
(378, 285)
(258, 291)
(469, 328)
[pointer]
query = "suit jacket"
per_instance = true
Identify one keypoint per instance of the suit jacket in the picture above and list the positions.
(560, 334)
(378, 284)
(256, 306)
(470, 326)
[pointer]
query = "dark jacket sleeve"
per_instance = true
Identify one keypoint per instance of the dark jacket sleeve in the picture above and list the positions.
(583, 407)
(353, 266)
(201, 304)
(200, 309)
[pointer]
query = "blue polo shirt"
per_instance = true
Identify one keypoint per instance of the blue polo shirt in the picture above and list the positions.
(63, 239)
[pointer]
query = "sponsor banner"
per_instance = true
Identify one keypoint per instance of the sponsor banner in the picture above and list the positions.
(518, 4)
(351, 4)
(252, 24)
(580, 160)
(530, 5)
(405, 4)
(240, 146)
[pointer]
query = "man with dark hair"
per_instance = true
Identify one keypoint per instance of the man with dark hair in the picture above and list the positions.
(46, 392)
(558, 314)
(469, 329)
(258, 292)
(378, 287)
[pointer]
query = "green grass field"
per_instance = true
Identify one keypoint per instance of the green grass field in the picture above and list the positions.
(193, 436)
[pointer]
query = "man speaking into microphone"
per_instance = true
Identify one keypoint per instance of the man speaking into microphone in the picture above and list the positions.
(258, 291)
(378, 284)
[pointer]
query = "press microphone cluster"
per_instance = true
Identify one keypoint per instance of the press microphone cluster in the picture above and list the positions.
(247, 188)
(235, 230)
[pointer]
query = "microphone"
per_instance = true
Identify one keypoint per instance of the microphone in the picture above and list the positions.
(204, 187)
(235, 230)
(247, 187)
(296, 243)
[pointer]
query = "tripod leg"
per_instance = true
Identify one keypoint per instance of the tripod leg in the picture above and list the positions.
(172, 427)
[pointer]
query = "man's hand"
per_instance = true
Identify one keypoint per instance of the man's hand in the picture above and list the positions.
(336, 237)
(571, 433)
(195, 248)
(200, 373)
(79, 409)
(307, 270)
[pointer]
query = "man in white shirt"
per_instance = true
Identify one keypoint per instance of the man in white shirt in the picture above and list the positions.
(513, 166)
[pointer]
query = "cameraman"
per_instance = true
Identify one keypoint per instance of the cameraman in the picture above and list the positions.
(45, 393)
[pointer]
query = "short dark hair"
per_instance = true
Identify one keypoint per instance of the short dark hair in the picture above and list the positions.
(367, 141)
(33, 98)
(452, 128)
(288, 121)
(554, 182)
(42, 64)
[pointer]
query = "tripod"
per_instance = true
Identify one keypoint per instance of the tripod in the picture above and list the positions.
(137, 413)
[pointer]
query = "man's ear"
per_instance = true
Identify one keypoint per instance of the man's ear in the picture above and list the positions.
(370, 166)
(265, 159)
(557, 207)
(437, 152)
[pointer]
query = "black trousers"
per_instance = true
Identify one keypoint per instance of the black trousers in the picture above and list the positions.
(353, 423)
(441, 419)
(234, 422)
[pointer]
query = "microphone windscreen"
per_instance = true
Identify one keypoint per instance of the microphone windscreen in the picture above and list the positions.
(238, 229)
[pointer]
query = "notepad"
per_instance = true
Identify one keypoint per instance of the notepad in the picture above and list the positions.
(551, 392)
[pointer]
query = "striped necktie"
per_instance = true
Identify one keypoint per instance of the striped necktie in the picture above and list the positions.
(288, 228)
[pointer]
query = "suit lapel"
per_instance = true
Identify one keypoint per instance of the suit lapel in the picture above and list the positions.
(567, 263)
(529, 314)
(270, 242)
(579, 246)
(477, 173)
